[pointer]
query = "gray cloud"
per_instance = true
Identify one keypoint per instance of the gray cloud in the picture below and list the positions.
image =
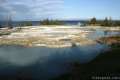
(2, 1)
(26, 8)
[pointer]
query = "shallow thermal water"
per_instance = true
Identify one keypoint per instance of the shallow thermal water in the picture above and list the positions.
(101, 33)
(40, 63)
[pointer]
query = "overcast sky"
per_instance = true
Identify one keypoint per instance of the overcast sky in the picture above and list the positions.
(59, 9)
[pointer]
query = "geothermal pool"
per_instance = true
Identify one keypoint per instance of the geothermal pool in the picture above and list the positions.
(40, 63)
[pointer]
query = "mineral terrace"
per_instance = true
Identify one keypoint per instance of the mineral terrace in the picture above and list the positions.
(48, 36)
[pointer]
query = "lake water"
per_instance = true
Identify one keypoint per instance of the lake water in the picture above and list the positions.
(40, 63)
(17, 23)
(36, 23)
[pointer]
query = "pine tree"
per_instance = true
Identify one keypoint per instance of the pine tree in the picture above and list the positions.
(105, 22)
(93, 21)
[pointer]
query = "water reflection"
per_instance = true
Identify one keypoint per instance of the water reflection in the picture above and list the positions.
(40, 63)
(102, 33)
